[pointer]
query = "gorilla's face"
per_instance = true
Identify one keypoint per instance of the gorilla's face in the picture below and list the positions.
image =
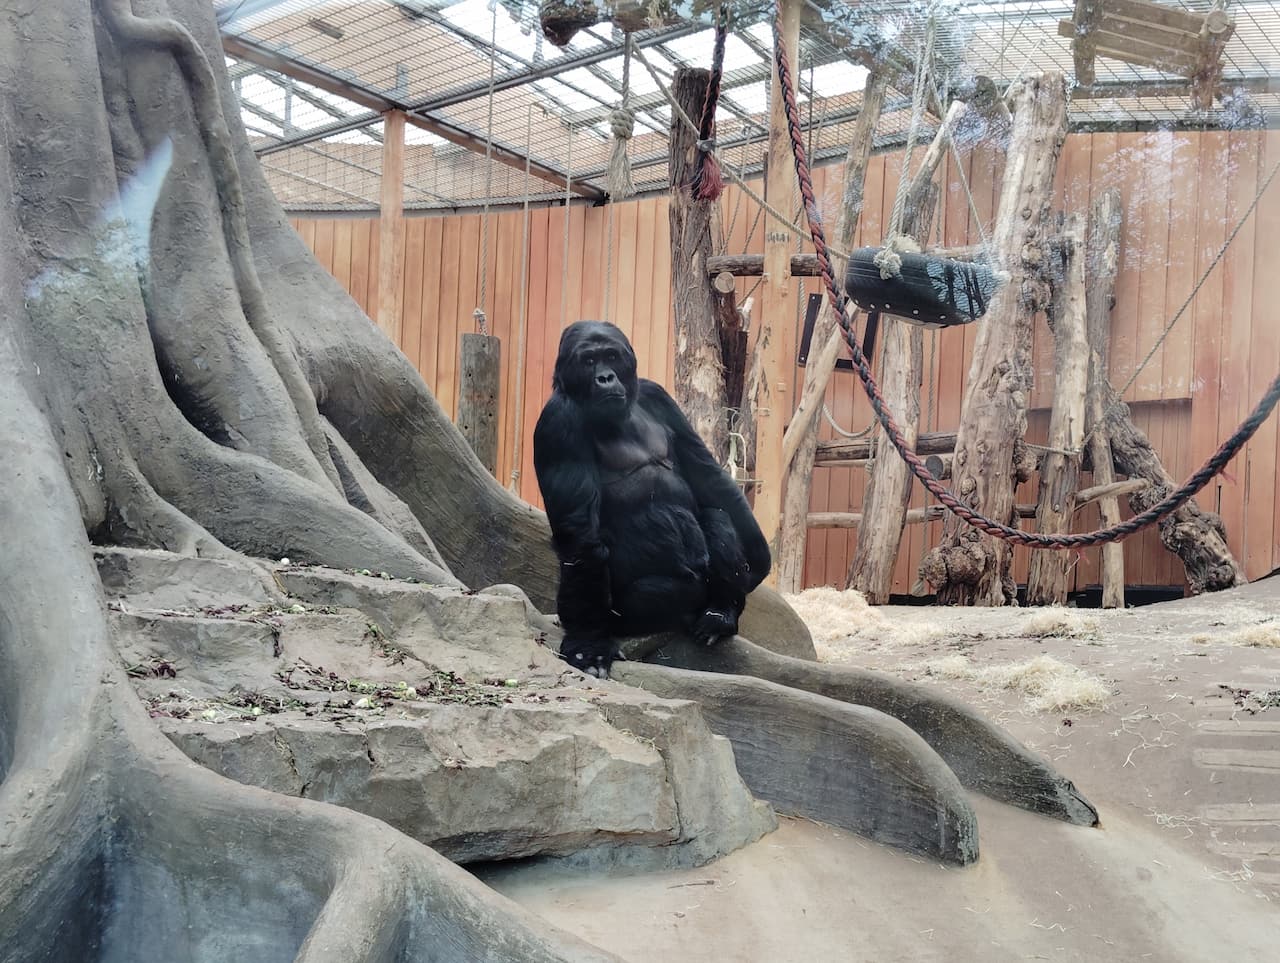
(596, 367)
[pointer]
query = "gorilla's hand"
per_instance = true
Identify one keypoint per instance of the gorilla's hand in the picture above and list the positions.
(592, 656)
(714, 625)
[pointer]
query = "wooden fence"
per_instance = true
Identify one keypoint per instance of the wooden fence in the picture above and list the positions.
(1182, 195)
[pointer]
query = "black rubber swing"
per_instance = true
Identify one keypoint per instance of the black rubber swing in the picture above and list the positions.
(931, 291)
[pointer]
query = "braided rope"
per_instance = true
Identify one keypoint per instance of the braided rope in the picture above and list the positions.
(1165, 507)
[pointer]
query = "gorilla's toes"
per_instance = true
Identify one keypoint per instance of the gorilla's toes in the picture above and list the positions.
(714, 625)
(592, 656)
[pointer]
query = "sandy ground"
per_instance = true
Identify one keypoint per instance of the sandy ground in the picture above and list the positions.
(1182, 760)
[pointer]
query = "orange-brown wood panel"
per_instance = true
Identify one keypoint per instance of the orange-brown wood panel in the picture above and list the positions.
(1180, 275)
(1264, 363)
(1237, 303)
(415, 242)
(538, 366)
(1124, 317)
(432, 298)
(361, 269)
(324, 244)
(342, 231)
(1151, 251)
(1206, 317)
(451, 269)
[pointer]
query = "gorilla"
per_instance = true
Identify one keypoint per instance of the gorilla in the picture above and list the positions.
(652, 535)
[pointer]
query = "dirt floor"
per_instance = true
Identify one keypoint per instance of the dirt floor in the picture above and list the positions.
(1171, 727)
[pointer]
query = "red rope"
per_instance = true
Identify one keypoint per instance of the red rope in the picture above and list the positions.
(1163, 508)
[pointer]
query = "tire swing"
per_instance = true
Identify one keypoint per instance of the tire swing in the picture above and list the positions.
(900, 280)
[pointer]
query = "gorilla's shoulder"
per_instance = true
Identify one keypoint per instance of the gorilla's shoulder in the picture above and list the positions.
(654, 394)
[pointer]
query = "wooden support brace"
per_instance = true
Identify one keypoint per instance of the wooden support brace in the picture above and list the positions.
(1126, 486)
(912, 516)
(391, 228)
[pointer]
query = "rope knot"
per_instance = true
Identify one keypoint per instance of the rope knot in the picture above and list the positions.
(482, 321)
(889, 261)
(706, 145)
(622, 123)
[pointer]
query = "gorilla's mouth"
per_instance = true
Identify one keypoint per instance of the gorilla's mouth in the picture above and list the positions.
(612, 398)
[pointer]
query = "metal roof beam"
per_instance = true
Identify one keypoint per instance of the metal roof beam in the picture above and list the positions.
(372, 100)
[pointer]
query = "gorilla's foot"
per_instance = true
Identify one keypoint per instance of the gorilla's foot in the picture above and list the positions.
(846, 765)
(592, 656)
(982, 756)
(713, 625)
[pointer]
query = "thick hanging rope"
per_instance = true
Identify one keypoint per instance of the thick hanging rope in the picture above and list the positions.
(707, 182)
(1165, 507)
(622, 122)
(482, 321)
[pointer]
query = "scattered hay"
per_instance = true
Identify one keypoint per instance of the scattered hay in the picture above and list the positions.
(1059, 623)
(1262, 635)
(1047, 684)
(842, 623)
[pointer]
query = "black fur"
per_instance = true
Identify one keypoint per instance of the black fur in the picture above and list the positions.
(651, 533)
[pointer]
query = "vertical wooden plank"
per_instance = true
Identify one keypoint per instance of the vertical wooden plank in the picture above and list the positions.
(429, 309)
(1207, 310)
(660, 332)
(1238, 268)
(1125, 315)
(538, 367)
(461, 319)
(359, 283)
(593, 262)
(324, 243)
(375, 255)
(506, 323)
(391, 225)
(413, 294)
(644, 291)
(342, 252)
(623, 295)
(1185, 190)
(1264, 362)
(1154, 253)
(446, 317)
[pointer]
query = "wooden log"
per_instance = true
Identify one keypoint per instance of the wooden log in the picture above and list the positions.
(939, 466)
(699, 384)
(1197, 537)
(1048, 575)
(912, 516)
(799, 444)
(1103, 255)
(994, 412)
(733, 337)
(846, 450)
(901, 367)
(806, 265)
(1126, 486)
(776, 331)
(478, 400)
(391, 231)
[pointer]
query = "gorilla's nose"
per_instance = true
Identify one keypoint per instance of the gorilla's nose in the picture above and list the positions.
(606, 379)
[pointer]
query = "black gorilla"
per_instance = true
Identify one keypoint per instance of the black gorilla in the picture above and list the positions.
(651, 533)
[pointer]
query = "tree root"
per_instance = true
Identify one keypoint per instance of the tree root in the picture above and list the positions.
(982, 756)
(169, 35)
(846, 765)
(138, 517)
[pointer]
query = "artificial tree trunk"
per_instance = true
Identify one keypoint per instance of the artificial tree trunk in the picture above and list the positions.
(177, 372)
(969, 568)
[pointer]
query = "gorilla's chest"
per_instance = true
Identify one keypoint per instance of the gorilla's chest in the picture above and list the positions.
(636, 463)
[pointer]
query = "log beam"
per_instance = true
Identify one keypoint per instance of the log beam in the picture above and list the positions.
(800, 443)
(1103, 256)
(391, 228)
(901, 369)
(699, 383)
(806, 265)
(913, 516)
(776, 333)
(987, 468)
(1049, 573)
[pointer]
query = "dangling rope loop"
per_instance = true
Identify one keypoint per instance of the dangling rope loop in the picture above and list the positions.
(707, 182)
(622, 123)
(1162, 509)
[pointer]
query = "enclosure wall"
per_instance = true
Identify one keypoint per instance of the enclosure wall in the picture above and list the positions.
(1182, 194)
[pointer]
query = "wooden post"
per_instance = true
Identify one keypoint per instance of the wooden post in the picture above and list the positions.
(478, 400)
(699, 384)
(1103, 257)
(391, 228)
(733, 337)
(775, 338)
(901, 366)
(1047, 579)
(800, 442)
(967, 568)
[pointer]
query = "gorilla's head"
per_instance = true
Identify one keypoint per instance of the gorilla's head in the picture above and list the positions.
(596, 368)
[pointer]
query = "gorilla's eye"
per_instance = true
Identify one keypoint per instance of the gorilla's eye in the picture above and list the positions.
(611, 356)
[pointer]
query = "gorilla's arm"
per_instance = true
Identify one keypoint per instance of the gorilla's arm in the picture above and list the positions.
(714, 490)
